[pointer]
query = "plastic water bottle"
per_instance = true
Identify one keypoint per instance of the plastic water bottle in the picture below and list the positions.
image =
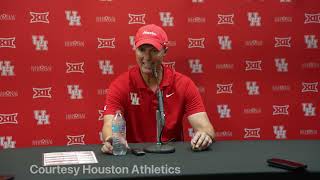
(119, 134)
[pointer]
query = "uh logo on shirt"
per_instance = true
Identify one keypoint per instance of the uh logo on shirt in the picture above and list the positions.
(134, 98)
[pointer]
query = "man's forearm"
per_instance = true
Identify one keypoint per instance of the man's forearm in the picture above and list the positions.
(107, 127)
(106, 132)
(201, 123)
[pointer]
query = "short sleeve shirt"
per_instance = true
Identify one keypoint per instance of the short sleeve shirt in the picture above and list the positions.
(130, 94)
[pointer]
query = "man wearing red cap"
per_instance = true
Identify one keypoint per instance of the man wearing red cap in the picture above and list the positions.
(134, 93)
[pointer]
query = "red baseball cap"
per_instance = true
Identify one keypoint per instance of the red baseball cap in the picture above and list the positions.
(151, 34)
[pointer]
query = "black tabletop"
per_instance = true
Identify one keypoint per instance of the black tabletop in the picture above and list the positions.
(225, 158)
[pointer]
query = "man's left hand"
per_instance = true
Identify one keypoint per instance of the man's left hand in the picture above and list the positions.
(201, 141)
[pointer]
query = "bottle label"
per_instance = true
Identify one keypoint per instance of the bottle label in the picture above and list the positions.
(115, 129)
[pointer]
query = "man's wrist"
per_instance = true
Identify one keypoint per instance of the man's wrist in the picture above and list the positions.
(211, 136)
(107, 139)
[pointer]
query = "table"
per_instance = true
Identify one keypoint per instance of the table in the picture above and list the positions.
(224, 158)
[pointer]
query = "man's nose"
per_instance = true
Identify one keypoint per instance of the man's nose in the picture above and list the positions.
(147, 55)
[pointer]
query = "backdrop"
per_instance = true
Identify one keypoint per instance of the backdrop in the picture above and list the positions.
(256, 64)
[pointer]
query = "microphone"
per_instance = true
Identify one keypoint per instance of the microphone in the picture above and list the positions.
(160, 118)
(160, 97)
(155, 73)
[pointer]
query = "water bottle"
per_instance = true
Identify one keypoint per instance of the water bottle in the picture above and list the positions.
(119, 134)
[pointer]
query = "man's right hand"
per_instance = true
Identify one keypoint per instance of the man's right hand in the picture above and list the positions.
(107, 146)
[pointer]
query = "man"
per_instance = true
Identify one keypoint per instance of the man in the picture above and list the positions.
(134, 93)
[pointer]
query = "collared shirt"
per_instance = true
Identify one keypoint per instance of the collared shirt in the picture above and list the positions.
(138, 103)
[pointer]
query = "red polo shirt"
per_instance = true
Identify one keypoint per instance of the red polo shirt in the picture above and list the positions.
(138, 103)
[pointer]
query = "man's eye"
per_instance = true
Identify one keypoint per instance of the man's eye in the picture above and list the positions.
(141, 49)
(154, 51)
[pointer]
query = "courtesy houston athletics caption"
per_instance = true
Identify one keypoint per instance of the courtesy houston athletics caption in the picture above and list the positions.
(92, 170)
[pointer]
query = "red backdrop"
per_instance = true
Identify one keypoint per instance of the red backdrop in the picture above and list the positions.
(256, 63)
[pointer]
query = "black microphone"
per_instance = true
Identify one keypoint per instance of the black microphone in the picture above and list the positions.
(160, 110)
(160, 97)
(160, 118)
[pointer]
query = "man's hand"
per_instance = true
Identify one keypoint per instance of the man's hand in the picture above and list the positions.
(204, 132)
(201, 141)
(107, 146)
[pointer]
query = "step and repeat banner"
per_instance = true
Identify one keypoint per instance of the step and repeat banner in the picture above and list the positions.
(256, 64)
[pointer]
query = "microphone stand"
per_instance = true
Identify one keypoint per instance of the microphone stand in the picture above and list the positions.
(160, 147)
